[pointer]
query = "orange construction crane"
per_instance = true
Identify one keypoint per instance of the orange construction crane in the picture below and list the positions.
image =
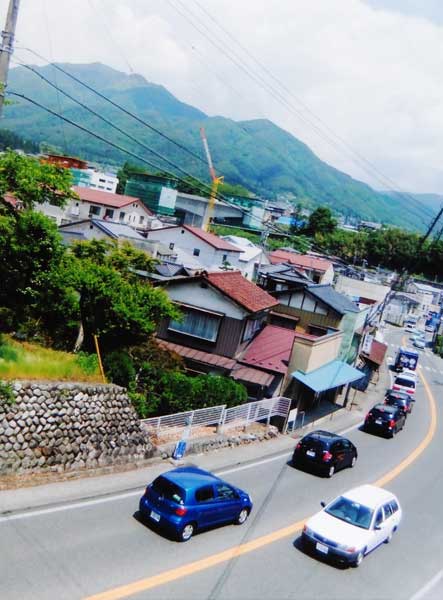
(215, 183)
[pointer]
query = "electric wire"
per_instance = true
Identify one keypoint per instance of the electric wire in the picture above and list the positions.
(188, 15)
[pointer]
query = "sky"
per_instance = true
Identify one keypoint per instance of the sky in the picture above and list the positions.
(359, 81)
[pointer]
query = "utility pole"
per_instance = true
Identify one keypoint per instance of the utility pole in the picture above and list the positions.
(6, 48)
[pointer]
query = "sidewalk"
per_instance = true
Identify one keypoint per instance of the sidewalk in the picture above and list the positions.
(85, 488)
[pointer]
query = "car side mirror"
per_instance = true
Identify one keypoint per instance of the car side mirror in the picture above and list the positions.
(323, 504)
(377, 527)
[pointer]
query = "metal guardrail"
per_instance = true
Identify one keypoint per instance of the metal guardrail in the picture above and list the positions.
(218, 416)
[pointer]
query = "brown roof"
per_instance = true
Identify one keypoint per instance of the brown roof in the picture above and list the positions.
(300, 260)
(107, 198)
(242, 291)
(249, 375)
(198, 355)
(271, 349)
(378, 352)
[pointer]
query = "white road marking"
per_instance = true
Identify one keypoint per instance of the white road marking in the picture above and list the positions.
(121, 496)
(421, 593)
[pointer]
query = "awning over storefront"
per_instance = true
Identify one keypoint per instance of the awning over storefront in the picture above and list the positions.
(330, 376)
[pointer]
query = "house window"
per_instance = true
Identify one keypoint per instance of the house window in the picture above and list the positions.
(141, 219)
(102, 180)
(198, 324)
(121, 217)
(196, 252)
(171, 246)
(109, 213)
(101, 187)
(94, 210)
(252, 326)
(224, 257)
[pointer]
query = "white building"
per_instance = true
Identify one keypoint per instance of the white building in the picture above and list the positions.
(251, 257)
(102, 205)
(211, 251)
(106, 182)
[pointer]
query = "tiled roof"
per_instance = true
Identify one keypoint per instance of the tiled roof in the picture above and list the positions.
(299, 260)
(249, 375)
(211, 239)
(271, 349)
(339, 302)
(107, 198)
(197, 355)
(378, 351)
(242, 291)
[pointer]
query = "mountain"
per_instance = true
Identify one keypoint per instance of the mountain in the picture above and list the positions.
(256, 154)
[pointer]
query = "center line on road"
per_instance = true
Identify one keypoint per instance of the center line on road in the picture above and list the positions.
(192, 568)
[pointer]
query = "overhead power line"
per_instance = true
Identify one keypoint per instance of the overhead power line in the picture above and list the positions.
(190, 16)
(116, 105)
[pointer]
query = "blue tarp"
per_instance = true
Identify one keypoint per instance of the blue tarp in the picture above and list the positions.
(332, 375)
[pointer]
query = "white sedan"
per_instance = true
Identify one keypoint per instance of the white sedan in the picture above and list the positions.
(353, 524)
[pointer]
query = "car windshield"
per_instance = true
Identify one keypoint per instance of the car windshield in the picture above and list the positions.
(351, 512)
(167, 489)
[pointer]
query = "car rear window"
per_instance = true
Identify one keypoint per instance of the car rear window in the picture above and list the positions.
(314, 443)
(167, 489)
(405, 382)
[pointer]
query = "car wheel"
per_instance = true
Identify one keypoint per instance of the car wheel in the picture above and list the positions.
(354, 460)
(389, 538)
(187, 532)
(242, 516)
(331, 471)
(359, 559)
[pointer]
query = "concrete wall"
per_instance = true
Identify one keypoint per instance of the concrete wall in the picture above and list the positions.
(365, 289)
(309, 355)
(63, 427)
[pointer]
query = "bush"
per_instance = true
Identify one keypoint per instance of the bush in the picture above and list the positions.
(88, 362)
(119, 368)
(6, 394)
(6, 351)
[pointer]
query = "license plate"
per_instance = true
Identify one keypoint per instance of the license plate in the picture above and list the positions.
(310, 453)
(379, 421)
(155, 516)
(322, 548)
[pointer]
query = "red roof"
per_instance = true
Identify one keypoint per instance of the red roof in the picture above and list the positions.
(249, 375)
(198, 355)
(299, 260)
(211, 239)
(107, 198)
(271, 349)
(12, 200)
(242, 291)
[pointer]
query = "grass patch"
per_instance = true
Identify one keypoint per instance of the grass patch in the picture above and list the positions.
(23, 360)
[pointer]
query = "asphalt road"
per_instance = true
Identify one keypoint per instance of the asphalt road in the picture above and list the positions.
(95, 548)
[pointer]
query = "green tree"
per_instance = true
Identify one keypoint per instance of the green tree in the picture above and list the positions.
(321, 221)
(33, 182)
(125, 172)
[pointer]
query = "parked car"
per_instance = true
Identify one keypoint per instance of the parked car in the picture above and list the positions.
(324, 452)
(353, 524)
(186, 499)
(419, 342)
(400, 400)
(405, 382)
(386, 419)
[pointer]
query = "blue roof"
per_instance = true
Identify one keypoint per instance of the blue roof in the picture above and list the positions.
(332, 375)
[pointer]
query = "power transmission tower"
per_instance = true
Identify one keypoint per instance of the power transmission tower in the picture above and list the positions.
(6, 48)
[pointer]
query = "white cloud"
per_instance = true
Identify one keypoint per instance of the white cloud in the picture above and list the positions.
(374, 77)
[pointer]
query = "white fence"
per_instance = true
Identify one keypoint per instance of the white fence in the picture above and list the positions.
(219, 417)
(263, 410)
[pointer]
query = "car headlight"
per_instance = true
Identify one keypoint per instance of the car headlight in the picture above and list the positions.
(346, 548)
(308, 531)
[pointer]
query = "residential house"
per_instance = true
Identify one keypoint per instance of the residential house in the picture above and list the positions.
(95, 229)
(101, 205)
(317, 309)
(222, 313)
(427, 295)
(315, 372)
(212, 252)
(362, 292)
(317, 269)
(252, 257)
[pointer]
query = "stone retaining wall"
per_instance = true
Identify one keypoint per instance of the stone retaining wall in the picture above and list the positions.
(63, 427)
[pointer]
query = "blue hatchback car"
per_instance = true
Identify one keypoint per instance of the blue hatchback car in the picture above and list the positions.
(188, 498)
